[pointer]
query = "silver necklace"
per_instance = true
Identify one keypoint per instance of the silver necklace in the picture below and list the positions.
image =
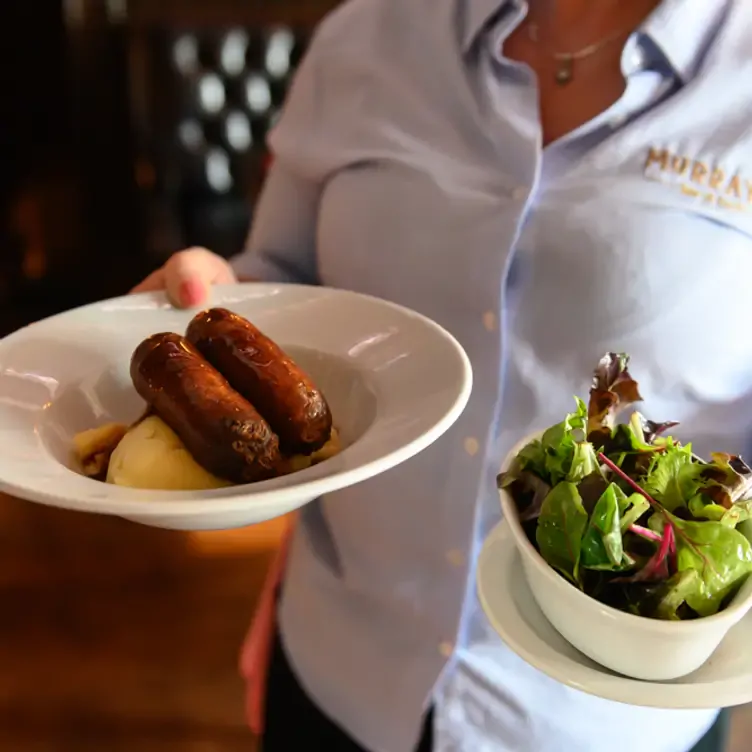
(566, 60)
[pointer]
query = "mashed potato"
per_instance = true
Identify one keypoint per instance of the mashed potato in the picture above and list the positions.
(151, 456)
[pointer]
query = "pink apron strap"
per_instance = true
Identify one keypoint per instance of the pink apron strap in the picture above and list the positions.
(259, 641)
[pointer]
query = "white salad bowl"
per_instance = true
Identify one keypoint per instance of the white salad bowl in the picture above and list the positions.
(634, 646)
(395, 382)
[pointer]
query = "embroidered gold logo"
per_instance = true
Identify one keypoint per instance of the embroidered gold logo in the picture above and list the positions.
(710, 184)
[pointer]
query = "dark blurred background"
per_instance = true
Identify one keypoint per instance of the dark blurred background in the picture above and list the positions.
(130, 129)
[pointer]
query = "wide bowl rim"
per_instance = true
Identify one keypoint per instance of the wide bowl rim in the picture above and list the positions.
(729, 616)
(266, 494)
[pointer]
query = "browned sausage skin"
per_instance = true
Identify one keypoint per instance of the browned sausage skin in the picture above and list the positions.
(258, 368)
(220, 428)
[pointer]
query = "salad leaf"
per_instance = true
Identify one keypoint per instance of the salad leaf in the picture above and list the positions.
(657, 566)
(561, 526)
(674, 477)
(701, 508)
(559, 442)
(674, 594)
(721, 556)
(551, 456)
(741, 511)
(532, 457)
(613, 389)
(527, 489)
(665, 600)
(638, 505)
(629, 514)
(602, 545)
(652, 430)
(584, 462)
(730, 479)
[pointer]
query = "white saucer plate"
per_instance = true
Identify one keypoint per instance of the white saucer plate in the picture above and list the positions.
(724, 680)
(395, 382)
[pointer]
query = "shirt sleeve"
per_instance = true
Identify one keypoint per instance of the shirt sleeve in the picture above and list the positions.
(281, 246)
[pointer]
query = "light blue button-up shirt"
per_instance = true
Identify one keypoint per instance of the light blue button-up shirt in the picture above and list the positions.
(409, 166)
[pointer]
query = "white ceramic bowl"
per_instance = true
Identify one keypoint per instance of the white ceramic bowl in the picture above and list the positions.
(634, 646)
(395, 382)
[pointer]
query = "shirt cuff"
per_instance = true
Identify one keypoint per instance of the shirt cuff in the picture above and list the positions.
(256, 266)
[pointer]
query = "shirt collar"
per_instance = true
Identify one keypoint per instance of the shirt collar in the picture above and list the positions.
(476, 14)
(681, 29)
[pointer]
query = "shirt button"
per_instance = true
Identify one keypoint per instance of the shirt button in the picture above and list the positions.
(490, 321)
(519, 194)
(455, 557)
(472, 445)
(446, 649)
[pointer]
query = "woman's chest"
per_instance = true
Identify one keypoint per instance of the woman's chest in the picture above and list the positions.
(628, 241)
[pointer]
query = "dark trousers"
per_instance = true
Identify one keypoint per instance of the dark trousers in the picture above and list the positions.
(294, 723)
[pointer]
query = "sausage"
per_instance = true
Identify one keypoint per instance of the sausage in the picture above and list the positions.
(220, 428)
(258, 369)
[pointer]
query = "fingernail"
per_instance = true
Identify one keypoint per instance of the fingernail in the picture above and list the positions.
(191, 292)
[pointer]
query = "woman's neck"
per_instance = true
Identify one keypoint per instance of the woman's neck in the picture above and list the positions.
(562, 19)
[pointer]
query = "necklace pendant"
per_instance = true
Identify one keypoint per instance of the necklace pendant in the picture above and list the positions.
(565, 70)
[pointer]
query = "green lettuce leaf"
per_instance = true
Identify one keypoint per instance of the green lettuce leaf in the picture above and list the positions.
(551, 456)
(701, 508)
(637, 506)
(602, 545)
(741, 511)
(664, 600)
(561, 525)
(559, 444)
(721, 556)
(674, 477)
(675, 591)
(584, 462)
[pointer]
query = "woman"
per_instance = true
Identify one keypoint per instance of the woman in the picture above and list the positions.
(548, 180)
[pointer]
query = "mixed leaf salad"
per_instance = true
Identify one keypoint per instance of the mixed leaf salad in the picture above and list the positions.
(630, 515)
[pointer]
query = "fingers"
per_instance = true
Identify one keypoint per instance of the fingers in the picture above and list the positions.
(155, 281)
(189, 275)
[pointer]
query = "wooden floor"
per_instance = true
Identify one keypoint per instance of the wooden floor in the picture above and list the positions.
(120, 637)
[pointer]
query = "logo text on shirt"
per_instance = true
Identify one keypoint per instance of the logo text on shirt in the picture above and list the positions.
(697, 179)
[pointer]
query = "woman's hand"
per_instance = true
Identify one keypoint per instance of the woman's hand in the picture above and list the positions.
(188, 275)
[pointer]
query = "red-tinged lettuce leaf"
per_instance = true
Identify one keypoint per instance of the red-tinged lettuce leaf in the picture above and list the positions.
(526, 488)
(628, 446)
(602, 545)
(643, 432)
(656, 569)
(561, 525)
(721, 556)
(729, 479)
(652, 430)
(612, 391)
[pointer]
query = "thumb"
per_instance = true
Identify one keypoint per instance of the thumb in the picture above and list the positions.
(190, 274)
